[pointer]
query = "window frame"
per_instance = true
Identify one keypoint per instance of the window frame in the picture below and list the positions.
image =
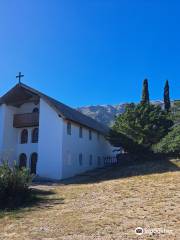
(69, 128)
(35, 110)
(24, 139)
(33, 157)
(90, 134)
(80, 132)
(22, 156)
(35, 136)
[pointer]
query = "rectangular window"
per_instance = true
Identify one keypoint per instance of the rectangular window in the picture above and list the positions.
(90, 135)
(69, 128)
(80, 159)
(80, 132)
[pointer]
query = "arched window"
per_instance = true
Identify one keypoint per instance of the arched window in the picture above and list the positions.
(24, 136)
(35, 135)
(22, 160)
(36, 110)
(33, 162)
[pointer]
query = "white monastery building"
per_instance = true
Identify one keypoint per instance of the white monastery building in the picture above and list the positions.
(51, 139)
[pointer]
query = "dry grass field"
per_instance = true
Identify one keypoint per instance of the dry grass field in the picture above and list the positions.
(104, 204)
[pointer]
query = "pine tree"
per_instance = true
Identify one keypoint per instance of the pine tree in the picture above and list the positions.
(167, 103)
(141, 124)
(145, 92)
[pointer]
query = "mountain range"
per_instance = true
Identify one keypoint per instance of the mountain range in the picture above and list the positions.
(106, 113)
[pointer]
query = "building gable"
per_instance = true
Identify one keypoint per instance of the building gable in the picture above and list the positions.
(22, 93)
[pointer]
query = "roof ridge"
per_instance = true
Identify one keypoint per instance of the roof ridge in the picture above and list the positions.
(66, 111)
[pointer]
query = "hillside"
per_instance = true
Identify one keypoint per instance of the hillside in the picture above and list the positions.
(103, 204)
(103, 113)
(106, 113)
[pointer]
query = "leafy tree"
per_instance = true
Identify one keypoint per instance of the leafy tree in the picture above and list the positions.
(167, 103)
(118, 139)
(175, 111)
(170, 143)
(145, 92)
(141, 124)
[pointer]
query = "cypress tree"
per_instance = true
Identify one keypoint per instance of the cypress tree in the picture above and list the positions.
(145, 92)
(167, 103)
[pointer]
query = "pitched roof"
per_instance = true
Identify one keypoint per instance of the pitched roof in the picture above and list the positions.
(63, 110)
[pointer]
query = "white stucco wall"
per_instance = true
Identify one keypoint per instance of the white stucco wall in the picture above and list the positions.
(27, 108)
(73, 145)
(27, 148)
(10, 147)
(50, 143)
(58, 152)
(8, 134)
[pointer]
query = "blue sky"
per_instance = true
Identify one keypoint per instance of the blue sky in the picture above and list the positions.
(86, 52)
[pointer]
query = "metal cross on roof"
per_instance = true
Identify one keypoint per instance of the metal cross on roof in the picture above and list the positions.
(19, 77)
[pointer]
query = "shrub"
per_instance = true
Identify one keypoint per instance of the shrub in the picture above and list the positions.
(170, 144)
(14, 185)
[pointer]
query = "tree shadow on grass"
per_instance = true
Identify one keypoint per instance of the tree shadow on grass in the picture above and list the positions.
(36, 199)
(123, 170)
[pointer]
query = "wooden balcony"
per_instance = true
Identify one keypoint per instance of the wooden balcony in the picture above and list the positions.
(26, 120)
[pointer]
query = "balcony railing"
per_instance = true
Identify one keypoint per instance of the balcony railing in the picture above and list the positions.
(26, 120)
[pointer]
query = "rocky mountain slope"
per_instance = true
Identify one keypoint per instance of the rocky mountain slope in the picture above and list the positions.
(106, 113)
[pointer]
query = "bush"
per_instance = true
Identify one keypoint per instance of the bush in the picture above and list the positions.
(14, 185)
(170, 144)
